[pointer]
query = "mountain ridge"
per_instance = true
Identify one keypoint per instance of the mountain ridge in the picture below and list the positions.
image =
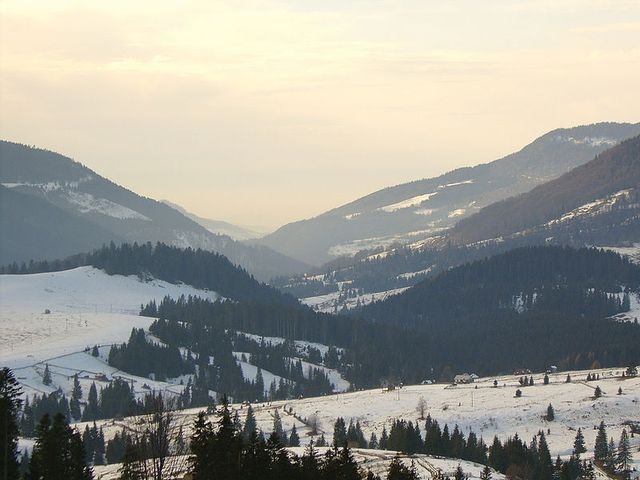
(409, 212)
(97, 203)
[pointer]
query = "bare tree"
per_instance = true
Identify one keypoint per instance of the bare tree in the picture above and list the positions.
(161, 451)
(313, 422)
(421, 407)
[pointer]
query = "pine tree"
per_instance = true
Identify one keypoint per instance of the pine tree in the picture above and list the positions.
(339, 433)
(76, 396)
(77, 388)
(203, 434)
(58, 452)
(373, 441)
(278, 431)
(545, 464)
(578, 444)
(91, 411)
(131, 468)
(399, 471)
(601, 449)
(551, 415)
(459, 474)
(259, 385)
(610, 461)
(485, 474)
(250, 425)
(294, 439)
(623, 458)
(46, 377)
(9, 407)
(597, 393)
(322, 442)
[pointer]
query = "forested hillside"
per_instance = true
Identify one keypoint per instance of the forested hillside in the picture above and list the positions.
(612, 172)
(198, 268)
(533, 306)
(560, 280)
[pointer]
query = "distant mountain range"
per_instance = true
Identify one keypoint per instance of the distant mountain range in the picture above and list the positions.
(413, 211)
(52, 207)
(220, 227)
(597, 203)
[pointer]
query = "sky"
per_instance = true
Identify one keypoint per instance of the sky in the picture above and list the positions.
(269, 111)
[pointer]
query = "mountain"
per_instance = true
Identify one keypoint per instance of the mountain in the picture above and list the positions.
(597, 203)
(54, 207)
(220, 227)
(412, 211)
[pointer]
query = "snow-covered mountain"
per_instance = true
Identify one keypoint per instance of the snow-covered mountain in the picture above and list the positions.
(220, 227)
(413, 211)
(53, 206)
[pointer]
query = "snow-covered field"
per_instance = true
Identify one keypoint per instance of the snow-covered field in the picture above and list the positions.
(481, 407)
(85, 305)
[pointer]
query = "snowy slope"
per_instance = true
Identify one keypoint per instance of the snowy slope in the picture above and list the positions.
(86, 307)
(488, 411)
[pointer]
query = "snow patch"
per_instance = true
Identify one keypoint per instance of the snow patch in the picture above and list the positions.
(465, 182)
(89, 203)
(410, 202)
(589, 141)
(596, 207)
(457, 213)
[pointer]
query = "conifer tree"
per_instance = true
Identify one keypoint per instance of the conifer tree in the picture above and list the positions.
(250, 426)
(339, 433)
(578, 444)
(77, 388)
(623, 458)
(545, 464)
(91, 411)
(597, 393)
(294, 438)
(46, 377)
(277, 430)
(551, 415)
(322, 442)
(131, 468)
(486, 474)
(610, 461)
(459, 474)
(373, 441)
(58, 452)
(9, 407)
(601, 449)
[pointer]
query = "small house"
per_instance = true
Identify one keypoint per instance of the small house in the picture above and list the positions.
(462, 378)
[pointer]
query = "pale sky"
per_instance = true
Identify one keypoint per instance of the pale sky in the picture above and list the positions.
(266, 112)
